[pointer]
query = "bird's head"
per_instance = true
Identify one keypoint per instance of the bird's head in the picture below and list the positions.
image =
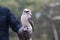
(27, 11)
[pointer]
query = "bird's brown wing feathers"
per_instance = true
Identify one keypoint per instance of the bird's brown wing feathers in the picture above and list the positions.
(31, 22)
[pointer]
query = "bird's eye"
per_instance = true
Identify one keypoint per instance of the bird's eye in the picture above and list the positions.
(26, 11)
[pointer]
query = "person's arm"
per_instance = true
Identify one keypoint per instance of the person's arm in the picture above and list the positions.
(14, 23)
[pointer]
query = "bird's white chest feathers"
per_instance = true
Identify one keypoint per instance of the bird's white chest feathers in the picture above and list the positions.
(24, 20)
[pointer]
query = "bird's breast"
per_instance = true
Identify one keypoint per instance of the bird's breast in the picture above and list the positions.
(24, 20)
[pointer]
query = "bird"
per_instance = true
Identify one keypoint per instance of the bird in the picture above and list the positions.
(27, 25)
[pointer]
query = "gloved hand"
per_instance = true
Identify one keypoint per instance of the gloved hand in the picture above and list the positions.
(24, 34)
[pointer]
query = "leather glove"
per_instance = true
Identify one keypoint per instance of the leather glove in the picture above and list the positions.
(24, 34)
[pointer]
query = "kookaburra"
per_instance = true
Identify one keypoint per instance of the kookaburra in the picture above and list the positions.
(27, 22)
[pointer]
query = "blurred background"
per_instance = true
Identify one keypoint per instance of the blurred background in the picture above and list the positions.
(46, 14)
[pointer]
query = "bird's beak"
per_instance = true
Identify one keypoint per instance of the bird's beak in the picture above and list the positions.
(30, 14)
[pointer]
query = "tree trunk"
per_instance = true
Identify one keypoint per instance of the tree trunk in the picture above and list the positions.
(55, 32)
